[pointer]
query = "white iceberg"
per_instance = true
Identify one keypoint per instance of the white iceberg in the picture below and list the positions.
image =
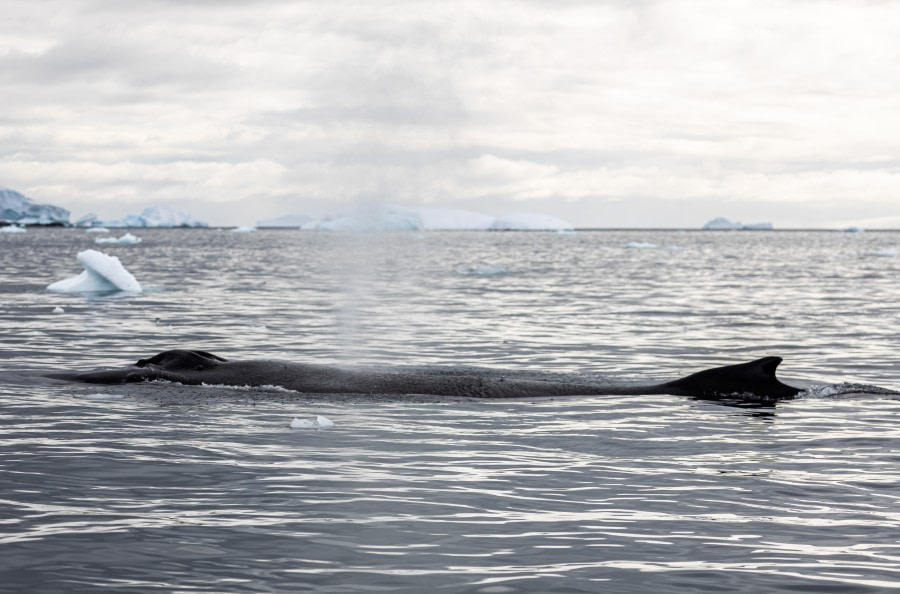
(528, 221)
(452, 219)
(127, 239)
(294, 221)
(243, 229)
(723, 224)
(153, 216)
(102, 273)
(12, 229)
(18, 208)
(373, 217)
(98, 230)
(640, 245)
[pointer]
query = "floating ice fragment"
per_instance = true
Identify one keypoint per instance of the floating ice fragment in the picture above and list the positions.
(320, 422)
(102, 273)
(12, 229)
(481, 270)
(98, 230)
(127, 239)
(886, 252)
(640, 245)
(243, 229)
(58, 310)
(101, 396)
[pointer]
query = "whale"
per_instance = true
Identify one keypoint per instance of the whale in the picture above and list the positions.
(751, 381)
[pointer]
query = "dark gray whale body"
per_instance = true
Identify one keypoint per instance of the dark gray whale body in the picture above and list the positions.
(753, 381)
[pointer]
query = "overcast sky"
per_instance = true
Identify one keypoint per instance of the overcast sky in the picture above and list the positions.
(609, 114)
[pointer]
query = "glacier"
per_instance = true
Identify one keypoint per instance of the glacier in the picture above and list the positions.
(18, 208)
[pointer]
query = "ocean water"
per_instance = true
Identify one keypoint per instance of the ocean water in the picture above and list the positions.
(158, 487)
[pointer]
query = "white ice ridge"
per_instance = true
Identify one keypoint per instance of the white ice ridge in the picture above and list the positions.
(102, 273)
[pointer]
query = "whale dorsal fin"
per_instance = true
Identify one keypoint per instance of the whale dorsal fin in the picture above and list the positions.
(756, 378)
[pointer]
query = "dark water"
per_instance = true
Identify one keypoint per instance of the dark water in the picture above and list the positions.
(166, 488)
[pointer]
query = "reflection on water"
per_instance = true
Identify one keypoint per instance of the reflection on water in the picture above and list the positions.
(215, 492)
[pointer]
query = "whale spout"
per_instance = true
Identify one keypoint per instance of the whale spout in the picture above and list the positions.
(756, 378)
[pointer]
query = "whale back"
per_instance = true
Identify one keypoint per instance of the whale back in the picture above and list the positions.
(756, 378)
(182, 360)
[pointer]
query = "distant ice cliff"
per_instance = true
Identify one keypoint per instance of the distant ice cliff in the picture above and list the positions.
(153, 216)
(18, 208)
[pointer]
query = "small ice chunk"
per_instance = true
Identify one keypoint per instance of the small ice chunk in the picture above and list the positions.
(320, 422)
(640, 245)
(127, 239)
(12, 229)
(243, 229)
(102, 273)
(886, 252)
(97, 230)
(58, 310)
(481, 270)
(101, 396)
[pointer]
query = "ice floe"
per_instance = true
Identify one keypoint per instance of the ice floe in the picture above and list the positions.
(640, 245)
(243, 229)
(320, 422)
(102, 273)
(127, 239)
(481, 270)
(12, 229)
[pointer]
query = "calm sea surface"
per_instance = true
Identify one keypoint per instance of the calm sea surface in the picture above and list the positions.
(197, 489)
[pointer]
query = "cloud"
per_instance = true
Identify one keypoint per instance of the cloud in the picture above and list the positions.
(591, 104)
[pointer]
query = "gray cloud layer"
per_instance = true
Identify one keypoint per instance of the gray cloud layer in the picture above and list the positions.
(609, 113)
